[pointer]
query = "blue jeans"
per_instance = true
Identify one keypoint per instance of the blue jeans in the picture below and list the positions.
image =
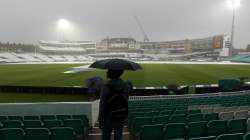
(109, 126)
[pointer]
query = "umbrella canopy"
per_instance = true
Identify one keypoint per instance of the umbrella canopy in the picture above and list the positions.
(115, 64)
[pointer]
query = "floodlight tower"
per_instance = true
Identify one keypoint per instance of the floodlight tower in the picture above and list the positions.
(234, 4)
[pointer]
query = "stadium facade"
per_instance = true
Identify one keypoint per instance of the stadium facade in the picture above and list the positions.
(203, 49)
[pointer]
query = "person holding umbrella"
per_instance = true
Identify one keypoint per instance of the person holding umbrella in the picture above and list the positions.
(113, 110)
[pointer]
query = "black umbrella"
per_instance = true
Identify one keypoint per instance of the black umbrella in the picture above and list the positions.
(115, 64)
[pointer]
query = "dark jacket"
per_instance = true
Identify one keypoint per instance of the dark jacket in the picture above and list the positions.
(117, 84)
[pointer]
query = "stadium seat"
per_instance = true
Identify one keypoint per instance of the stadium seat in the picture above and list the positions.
(226, 115)
(15, 118)
(62, 133)
(151, 114)
(177, 112)
(139, 122)
(196, 129)
(161, 119)
(13, 124)
(63, 117)
(37, 134)
(166, 112)
(219, 109)
(175, 131)
(216, 127)
(210, 116)
(195, 118)
(237, 136)
(237, 126)
(181, 118)
(31, 118)
(243, 114)
(83, 118)
(204, 138)
(32, 124)
(77, 125)
(194, 111)
(151, 132)
(47, 117)
(52, 123)
(3, 118)
(1, 125)
(11, 134)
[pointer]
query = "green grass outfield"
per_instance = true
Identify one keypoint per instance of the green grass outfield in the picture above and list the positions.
(150, 75)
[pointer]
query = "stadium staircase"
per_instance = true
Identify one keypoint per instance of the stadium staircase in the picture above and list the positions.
(95, 133)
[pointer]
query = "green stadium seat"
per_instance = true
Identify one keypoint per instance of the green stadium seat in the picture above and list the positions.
(152, 132)
(32, 124)
(37, 134)
(161, 119)
(181, 118)
(180, 112)
(3, 118)
(196, 129)
(237, 126)
(1, 125)
(11, 134)
(175, 131)
(195, 118)
(62, 133)
(63, 117)
(194, 111)
(216, 127)
(83, 118)
(47, 117)
(15, 118)
(13, 124)
(31, 118)
(211, 116)
(52, 123)
(151, 114)
(139, 122)
(204, 138)
(166, 112)
(237, 136)
(77, 125)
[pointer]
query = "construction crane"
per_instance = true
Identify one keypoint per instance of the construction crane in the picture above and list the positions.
(145, 39)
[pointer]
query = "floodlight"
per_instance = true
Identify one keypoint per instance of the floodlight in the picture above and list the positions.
(233, 3)
(63, 24)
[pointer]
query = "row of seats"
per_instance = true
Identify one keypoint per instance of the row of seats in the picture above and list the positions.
(180, 118)
(191, 130)
(61, 133)
(76, 124)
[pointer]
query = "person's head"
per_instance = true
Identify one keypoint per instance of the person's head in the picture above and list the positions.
(114, 74)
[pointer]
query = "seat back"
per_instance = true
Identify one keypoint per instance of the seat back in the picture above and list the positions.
(37, 134)
(237, 126)
(196, 129)
(216, 127)
(139, 122)
(13, 124)
(237, 136)
(161, 119)
(175, 130)
(76, 124)
(226, 115)
(52, 123)
(195, 118)
(243, 114)
(31, 118)
(11, 134)
(62, 133)
(181, 118)
(20, 118)
(47, 117)
(32, 124)
(63, 117)
(152, 132)
(204, 138)
(210, 116)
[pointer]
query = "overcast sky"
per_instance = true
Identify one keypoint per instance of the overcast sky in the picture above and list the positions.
(163, 20)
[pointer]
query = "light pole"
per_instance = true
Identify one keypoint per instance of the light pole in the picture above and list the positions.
(234, 4)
